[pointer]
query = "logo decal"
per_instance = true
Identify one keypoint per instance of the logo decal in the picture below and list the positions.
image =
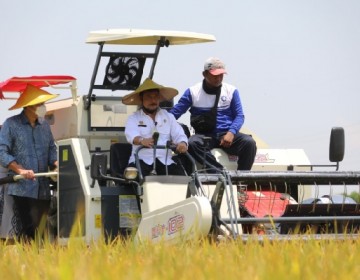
(174, 225)
(263, 158)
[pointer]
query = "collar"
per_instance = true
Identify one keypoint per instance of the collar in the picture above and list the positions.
(211, 90)
(25, 120)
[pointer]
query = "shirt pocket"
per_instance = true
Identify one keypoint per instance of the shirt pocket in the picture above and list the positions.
(164, 133)
(145, 131)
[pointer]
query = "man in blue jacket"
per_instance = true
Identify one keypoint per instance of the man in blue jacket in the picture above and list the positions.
(219, 123)
(27, 147)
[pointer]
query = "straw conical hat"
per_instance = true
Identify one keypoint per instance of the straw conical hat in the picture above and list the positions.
(166, 93)
(31, 96)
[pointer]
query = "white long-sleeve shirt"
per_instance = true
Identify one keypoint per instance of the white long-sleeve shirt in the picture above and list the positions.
(140, 124)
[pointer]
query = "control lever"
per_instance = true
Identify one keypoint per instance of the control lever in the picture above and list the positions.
(155, 136)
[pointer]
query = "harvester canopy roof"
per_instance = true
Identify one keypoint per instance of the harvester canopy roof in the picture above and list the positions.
(146, 37)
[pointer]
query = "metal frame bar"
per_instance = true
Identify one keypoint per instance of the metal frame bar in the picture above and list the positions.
(299, 177)
(271, 220)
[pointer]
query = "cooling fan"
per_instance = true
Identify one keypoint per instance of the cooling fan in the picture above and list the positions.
(124, 72)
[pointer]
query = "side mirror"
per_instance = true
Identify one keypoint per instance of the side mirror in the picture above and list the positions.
(337, 144)
(98, 166)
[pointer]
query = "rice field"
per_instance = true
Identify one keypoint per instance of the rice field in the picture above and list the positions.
(122, 259)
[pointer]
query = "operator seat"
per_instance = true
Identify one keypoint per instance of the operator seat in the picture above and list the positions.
(119, 158)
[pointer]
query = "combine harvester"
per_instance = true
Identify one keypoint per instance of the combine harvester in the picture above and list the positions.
(275, 199)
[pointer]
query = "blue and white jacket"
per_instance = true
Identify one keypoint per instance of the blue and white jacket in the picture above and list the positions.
(230, 116)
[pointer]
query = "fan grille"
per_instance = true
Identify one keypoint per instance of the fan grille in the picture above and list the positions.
(124, 72)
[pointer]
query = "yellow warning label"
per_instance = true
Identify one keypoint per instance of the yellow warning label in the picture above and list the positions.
(98, 221)
(65, 155)
(113, 141)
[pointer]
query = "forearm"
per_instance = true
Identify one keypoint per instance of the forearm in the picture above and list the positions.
(185, 102)
(237, 111)
(17, 168)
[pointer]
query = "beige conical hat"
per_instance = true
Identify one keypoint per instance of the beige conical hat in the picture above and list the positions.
(31, 96)
(166, 93)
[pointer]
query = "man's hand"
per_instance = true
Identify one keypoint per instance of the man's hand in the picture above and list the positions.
(54, 177)
(227, 140)
(181, 148)
(27, 173)
(147, 142)
(20, 170)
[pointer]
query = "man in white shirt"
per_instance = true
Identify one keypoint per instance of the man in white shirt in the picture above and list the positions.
(150, 122)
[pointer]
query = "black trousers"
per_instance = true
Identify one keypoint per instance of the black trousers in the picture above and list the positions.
(243, 146)
(31, 211)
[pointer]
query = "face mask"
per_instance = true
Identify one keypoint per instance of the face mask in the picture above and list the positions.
(41, 111)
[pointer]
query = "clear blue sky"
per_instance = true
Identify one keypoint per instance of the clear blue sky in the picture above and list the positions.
(296, 63)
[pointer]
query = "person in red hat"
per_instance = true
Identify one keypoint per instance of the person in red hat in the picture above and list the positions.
(27, 147)
(216, 113)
